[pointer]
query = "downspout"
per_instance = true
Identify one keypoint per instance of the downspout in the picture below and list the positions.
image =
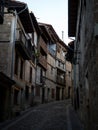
(36, 60)
(74, 75)
(13, 34)
(13, 38)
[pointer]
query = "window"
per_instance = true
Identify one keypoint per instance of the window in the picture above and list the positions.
(16, 63)
(51, 70)
(30, 75)
(20, 34)
(34, 38)
(63, 53)
(21, 69)
(48, 92)
(41, 75)
(16, 92)
(63, 66)
(37, 91)
(52, 93)
(69, 91)
(26, 92)
(59, 63)
(69, 73)
(33, 54)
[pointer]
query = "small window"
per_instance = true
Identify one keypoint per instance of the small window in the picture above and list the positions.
(69, 73)
(16, 92)
(27, 92)
(16, 63)
(21, 69)
(37, 91)
(51, 70)
(52, 93)
(63, 65)
(63, 53)
(59, 63)
(30, 75)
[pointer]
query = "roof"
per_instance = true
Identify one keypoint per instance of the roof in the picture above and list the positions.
(70, 52)
(44, 32)
(23, 13)
(63, 44)
(49, 31)
(35, 23)
(72, 17)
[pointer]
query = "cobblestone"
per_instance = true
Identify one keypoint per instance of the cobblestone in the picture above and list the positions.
(50, 116)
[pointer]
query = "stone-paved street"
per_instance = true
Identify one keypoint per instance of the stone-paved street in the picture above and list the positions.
(58, 115)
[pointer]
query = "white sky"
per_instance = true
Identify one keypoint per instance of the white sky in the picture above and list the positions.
(54, 12)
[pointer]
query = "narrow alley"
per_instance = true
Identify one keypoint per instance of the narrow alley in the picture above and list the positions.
(58, 115)
(40, 72)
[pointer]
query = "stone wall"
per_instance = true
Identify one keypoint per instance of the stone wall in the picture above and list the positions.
(6, 58)
(6, 45)
(88, 75)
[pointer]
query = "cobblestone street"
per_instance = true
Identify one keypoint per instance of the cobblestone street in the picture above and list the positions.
(57, 115)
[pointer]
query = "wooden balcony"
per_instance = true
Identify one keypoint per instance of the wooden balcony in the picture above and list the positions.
(60, 80)
(60, 66)
(24, 46)
(43, 45)
(42, 61)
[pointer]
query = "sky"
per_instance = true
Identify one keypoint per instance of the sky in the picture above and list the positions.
(54, 12)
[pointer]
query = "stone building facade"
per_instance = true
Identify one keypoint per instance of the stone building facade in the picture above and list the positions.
(85, 19)
(16, 49)
(32, 61)
(56, 65)
(69, 85)
(60, 70)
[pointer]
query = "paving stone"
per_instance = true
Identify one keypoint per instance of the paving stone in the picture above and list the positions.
(50, 116)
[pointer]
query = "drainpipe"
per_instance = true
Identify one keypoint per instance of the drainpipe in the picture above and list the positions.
(13, 37)
(74, 95)
(74, 75)
(13, 34)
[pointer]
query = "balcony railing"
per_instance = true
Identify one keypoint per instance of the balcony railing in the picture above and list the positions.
(60, 66)
(42, 61)
(24, 46)
(60, 80)
(44, 46)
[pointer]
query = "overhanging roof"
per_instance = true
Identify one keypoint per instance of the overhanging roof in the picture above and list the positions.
(72, 17)
(23, 13)
(50, 31)
(35, 23)
(70, 52)
(26, 21)
(44, 31)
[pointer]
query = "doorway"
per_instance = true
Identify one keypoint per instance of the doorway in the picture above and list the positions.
(57, 93)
